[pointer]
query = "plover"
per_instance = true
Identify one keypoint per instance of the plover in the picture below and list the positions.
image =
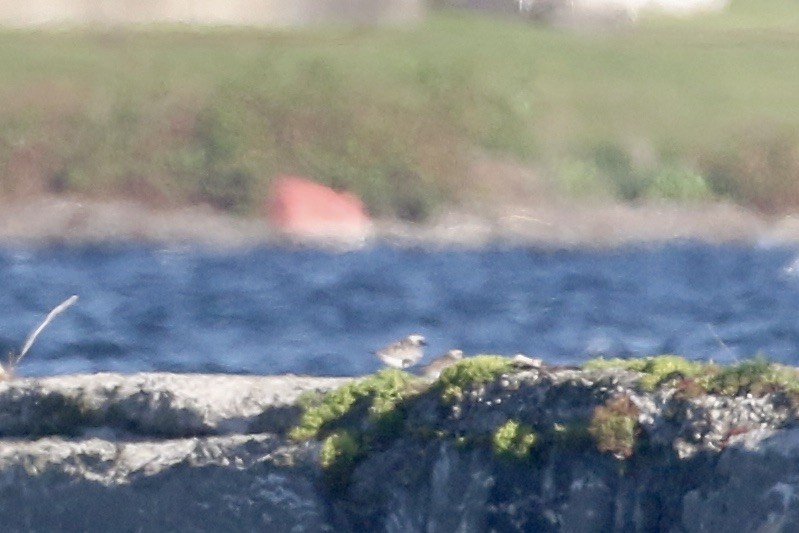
(403, 353)
(434, 368)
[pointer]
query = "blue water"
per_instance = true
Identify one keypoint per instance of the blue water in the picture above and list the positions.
(273, 310)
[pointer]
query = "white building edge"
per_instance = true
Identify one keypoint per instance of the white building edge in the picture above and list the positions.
(275, 13)
(632, 8)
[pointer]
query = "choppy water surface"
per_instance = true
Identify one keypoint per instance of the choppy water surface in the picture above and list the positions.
(274, 310)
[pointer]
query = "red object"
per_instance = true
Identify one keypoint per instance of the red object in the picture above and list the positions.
(300, 206)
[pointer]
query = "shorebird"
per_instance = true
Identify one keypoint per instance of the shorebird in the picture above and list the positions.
(434, 368)
(403, 353)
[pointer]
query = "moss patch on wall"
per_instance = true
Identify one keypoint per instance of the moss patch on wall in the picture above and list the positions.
(470, 371)
(613, 426)
(513, 440)
(378, 394)
(371, 414)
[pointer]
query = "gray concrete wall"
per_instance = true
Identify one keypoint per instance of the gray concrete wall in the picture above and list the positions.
(32, 13)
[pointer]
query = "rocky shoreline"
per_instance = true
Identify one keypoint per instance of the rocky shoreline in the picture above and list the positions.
(48, 220)
(659, 444)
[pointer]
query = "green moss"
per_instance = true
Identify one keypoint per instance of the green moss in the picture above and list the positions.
(655, 369)
(353, 419)
(660, 368)
(382, 391)
(470, 371)
(613, 426)
(338, 448)
(757, 376)
(513, 440)
(338, 457)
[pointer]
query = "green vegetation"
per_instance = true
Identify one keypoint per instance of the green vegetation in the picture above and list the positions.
(377, 394)
(338, 448)
(369, 414)
(676, 109)
(613, 426)
(469, 372)
(353, 419)
(656, 369)
(756, 376)
(663, 367)
(680, 184)
(513, 440)
(339, 452)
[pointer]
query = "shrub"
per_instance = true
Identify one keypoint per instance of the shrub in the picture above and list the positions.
(761, 169)
(616, 164)
(679, 184)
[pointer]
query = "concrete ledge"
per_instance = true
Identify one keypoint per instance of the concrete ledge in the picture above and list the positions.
(152, 405)
(173, 452)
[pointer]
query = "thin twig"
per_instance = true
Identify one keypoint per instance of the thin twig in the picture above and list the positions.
(35, 333)
(720, 340)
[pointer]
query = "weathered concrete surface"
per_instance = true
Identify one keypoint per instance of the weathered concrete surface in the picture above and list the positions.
(243, 483)
(157, 452)
(153, 404)
(759, 487)
(209, 453)
(709, 463)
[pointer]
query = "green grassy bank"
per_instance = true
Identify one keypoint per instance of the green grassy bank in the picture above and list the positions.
(682, 109)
